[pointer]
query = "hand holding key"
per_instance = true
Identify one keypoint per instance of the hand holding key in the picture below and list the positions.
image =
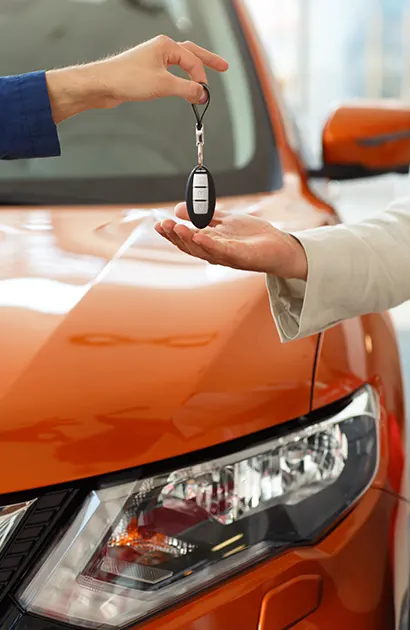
(139, 74)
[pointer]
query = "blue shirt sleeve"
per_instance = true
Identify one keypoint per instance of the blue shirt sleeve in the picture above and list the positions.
(27, 129)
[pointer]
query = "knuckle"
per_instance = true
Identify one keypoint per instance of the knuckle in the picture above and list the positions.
(164, 40)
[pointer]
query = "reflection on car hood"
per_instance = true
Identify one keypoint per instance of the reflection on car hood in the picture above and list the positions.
(118, 350)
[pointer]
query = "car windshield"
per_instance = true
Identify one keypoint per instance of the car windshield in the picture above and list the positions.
(138, 153)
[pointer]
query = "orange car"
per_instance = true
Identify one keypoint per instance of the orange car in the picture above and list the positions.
(166, 463)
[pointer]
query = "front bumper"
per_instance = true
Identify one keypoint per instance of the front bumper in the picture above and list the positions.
(349, 580)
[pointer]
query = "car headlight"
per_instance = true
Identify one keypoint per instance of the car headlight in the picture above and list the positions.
(139, 547)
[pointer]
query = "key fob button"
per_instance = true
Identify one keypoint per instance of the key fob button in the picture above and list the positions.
(200, 207)
(201, 194)
(200, 179)
(200, 197)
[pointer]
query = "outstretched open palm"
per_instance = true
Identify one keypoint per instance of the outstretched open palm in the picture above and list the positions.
(240, 241)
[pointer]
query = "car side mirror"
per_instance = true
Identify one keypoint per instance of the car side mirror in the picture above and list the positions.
(366, 138)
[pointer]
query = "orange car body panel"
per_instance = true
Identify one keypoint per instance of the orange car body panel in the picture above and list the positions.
(125, 351)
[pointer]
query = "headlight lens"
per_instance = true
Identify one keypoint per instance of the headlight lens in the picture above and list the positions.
(139, 547)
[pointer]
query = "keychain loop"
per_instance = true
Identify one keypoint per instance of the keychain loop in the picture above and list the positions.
(199, 118)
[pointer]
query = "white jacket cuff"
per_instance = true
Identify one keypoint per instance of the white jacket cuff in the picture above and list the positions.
(303, 308)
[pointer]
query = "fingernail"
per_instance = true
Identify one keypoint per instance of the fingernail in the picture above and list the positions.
(204, 97)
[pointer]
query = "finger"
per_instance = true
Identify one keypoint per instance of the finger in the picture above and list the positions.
(182, 213)
(189, 90)
(181, 237)
(216, 247)
(168, 227)
(158, 228)
(165, 229)
(185, 59)
(185, 235)
(185, 232)
(209, 59)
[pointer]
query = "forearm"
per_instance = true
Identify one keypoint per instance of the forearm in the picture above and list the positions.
(352, 270)
(77, 89)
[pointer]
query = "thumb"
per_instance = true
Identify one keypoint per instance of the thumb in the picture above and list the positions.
(189, 90)
(181, 211)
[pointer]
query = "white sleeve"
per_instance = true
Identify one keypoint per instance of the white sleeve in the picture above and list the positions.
(352, 270)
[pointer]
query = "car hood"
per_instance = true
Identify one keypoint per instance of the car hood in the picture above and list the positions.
(118, 350)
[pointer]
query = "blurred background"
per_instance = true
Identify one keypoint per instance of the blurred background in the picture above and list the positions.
(325, 52)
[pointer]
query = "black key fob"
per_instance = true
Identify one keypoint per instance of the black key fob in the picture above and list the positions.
(200, 197)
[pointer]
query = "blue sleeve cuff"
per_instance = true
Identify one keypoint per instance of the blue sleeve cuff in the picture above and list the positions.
(26, 122)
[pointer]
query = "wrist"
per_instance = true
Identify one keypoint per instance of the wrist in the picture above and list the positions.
(289, 261)
(298, 265)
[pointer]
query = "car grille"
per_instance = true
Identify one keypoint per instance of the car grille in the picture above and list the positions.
(31, 536)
